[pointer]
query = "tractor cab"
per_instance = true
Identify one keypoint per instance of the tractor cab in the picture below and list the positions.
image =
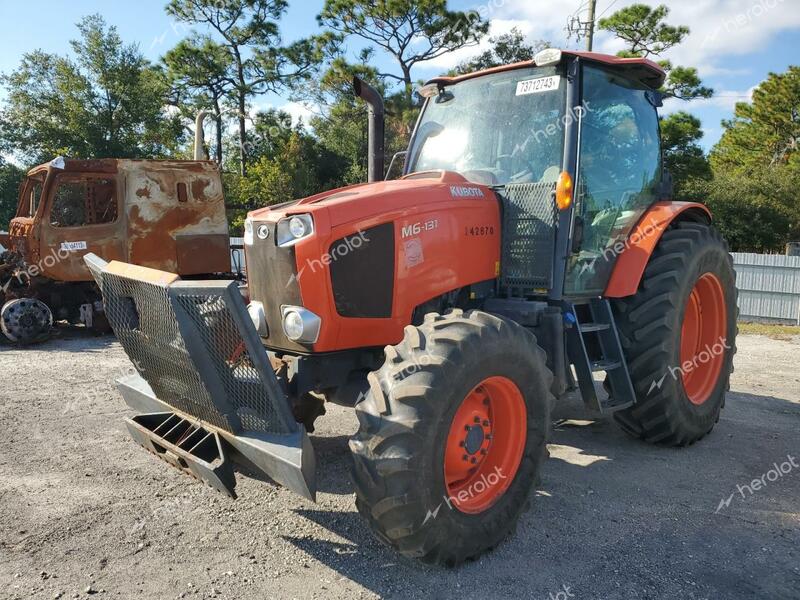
(154, 213)
(159, 214)
(582, 122)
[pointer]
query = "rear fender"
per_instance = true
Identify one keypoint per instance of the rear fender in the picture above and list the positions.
(644, 238)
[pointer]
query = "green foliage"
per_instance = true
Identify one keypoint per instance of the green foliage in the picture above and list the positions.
(200, 73)
(506, 49)
(683, 156)
(765, 132)
(10, 178)
(756, 167)
(105, 101)
(248, 30)
(643, 29)
(287, 163)
(756, 213)
(411, 31)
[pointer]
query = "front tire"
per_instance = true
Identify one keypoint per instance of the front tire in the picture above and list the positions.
(679, 336)
(452, 436)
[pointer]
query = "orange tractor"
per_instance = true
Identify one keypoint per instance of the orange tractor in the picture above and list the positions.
(530, 245)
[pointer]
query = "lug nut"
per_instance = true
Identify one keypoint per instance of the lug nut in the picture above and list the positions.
(461, 444)
(477, 419)
(465, 457)
(486, 423)
(474, 460)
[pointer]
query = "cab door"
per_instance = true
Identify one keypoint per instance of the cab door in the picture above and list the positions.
(83, 215)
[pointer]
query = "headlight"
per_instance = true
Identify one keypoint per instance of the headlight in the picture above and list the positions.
(248, 232)
(293, 229)
(300, 324)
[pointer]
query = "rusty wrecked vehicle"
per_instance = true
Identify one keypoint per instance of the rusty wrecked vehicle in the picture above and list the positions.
(164, 214)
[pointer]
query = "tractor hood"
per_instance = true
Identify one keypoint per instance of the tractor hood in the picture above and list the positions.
(362, 201)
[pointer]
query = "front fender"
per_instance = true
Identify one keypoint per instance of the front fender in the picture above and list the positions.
(641, 242)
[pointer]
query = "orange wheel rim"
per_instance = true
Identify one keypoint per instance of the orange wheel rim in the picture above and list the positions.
(485, 444)
(703, 340)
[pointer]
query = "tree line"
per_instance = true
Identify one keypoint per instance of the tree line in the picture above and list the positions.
(105, 99)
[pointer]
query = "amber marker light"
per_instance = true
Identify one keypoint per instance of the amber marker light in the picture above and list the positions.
(564, 191)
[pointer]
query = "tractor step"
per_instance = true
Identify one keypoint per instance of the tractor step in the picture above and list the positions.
(186, 446)
(594, 346)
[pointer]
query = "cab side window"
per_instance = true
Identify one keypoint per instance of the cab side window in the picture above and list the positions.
(83, 201)
(619, 172)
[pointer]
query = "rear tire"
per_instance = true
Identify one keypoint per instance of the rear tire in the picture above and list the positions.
(675, 406)
(402, 470)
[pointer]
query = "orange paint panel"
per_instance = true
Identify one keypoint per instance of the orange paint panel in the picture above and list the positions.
(636, 251)
(447, 236)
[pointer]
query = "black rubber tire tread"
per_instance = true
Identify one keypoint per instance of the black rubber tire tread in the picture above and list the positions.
(649, 325)
(398, 451)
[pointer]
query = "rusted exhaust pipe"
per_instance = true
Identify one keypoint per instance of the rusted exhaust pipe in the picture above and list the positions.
(375, 161)
(199, 136)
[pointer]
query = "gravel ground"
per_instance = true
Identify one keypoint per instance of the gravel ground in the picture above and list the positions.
(86, 512)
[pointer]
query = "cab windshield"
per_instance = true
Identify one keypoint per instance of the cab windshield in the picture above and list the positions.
(495, 129)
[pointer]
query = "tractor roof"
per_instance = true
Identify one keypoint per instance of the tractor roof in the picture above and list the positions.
(639, 69)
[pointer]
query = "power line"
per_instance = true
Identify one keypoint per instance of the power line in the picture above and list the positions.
(607, 9)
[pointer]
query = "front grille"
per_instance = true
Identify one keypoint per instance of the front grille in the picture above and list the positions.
(190, 342)
(529, 217)
(272, 279)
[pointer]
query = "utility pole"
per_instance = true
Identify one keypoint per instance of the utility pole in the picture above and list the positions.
(583, 29)
(590, 25)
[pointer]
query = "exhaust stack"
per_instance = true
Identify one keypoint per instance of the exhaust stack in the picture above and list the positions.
(199, 136)
(375, 161)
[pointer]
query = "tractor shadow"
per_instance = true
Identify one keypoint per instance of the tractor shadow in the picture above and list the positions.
(605, 497)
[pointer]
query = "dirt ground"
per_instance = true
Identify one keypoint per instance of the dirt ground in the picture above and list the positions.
(85, 512)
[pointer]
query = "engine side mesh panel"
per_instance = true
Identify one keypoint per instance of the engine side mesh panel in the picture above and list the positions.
(146, 323)
(529, 217)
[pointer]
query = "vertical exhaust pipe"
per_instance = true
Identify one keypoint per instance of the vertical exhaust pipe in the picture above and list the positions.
(199, 136)
(375, 160)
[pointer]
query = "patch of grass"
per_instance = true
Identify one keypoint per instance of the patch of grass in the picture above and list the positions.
(776, 332)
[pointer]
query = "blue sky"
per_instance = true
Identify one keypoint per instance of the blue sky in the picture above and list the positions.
(734, 43)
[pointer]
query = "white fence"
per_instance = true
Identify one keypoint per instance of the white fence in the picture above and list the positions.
(769, 284)
(769, 287)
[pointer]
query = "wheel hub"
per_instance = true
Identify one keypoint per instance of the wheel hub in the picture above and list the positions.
(26, 320)
(485, 444)
(474, 439)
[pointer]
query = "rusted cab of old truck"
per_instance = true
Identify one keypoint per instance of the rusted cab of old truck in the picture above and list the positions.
(166, 215)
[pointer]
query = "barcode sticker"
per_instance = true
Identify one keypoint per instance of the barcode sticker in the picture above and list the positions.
(536, 86)
(71, 246)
